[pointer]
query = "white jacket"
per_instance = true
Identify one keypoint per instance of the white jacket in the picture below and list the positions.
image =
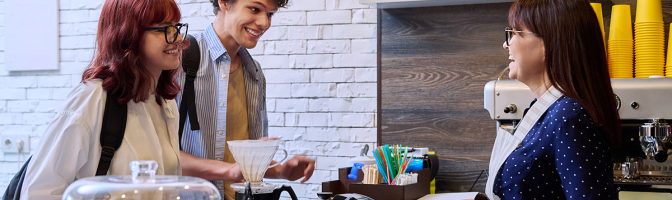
(70, 147)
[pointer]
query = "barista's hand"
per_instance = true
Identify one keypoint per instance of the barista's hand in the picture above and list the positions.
(234, 173)
(295, 168)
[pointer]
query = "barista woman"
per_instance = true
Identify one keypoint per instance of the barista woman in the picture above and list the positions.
(137, 54)
(561, 150)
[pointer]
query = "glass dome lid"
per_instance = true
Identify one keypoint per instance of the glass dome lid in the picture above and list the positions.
(142, 184)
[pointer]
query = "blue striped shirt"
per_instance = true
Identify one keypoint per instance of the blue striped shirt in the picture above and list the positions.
(211, 88)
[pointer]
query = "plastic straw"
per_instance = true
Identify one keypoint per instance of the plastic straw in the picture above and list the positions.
(392, 161)
(386, 149)
(386, 161)
(380, 166)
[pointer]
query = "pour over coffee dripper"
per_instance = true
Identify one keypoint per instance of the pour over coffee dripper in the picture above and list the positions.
(253, 158)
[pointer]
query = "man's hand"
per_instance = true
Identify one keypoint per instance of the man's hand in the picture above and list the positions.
(234, 173)
(295, 168)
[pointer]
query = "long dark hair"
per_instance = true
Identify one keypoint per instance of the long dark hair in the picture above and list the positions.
(576, 61)
(121, 28)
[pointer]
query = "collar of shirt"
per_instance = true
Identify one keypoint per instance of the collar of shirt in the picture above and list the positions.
(167, 110)
(214, 46)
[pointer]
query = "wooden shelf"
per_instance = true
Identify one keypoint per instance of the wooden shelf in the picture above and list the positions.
(386, 4)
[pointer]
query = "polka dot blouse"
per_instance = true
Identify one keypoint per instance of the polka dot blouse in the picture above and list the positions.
(564, 156)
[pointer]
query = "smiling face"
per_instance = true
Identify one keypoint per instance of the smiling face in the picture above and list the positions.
(245, 21)
(156, 54)
(526, 51)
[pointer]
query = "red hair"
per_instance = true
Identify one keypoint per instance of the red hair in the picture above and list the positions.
(121, 28)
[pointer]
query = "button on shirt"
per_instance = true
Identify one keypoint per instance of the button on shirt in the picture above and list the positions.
(564, 156)
(211, 88)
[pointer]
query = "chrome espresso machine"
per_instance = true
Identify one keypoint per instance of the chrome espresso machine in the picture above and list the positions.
(642, 167)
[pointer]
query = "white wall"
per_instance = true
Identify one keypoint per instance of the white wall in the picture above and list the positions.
(319, 58)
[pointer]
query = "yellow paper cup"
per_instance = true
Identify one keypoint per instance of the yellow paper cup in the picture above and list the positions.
(647, 24)
(649, 11)
(598, 12)
(642, 62)
(625, 54)
(658, 48)
(650, 47)
(621, 74)
(657, 26)
(621, 53)
(669, 52)
(620, 48)
(650, 35)
(620, 42)
(652, 71)
(621, 23)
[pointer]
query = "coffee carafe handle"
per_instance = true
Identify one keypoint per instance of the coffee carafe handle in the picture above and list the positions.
(277, 192)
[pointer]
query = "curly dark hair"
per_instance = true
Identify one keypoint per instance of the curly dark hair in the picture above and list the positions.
(215, 4)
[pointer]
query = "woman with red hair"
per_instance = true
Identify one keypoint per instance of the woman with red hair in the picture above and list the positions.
(138, 49)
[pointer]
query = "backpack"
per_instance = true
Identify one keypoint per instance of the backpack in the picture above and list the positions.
(191, 59)
(111, 135)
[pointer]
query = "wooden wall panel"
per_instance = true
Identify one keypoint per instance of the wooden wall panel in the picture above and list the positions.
(434, 64)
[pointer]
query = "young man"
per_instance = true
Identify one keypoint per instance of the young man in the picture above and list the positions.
(230, 96)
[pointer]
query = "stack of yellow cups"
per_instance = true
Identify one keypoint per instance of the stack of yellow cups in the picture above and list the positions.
(620, 42)
(668, 65)
(649, 39)
(598, 12)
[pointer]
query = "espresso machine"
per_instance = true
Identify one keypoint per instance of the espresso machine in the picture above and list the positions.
(641, 165)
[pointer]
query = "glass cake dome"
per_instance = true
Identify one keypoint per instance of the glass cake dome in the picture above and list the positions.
(142, 184)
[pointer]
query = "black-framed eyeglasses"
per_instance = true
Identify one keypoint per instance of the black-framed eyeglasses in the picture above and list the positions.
(172, 31)
(510, 33)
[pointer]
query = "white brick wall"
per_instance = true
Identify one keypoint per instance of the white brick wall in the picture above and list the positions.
(318, 57)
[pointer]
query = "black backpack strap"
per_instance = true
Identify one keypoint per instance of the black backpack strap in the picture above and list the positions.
(191, 59)
(13, 191)
(112, 132)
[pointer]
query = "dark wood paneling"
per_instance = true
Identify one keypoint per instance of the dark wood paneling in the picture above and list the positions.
(434, 63)
(440, 31)
(445, 82)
